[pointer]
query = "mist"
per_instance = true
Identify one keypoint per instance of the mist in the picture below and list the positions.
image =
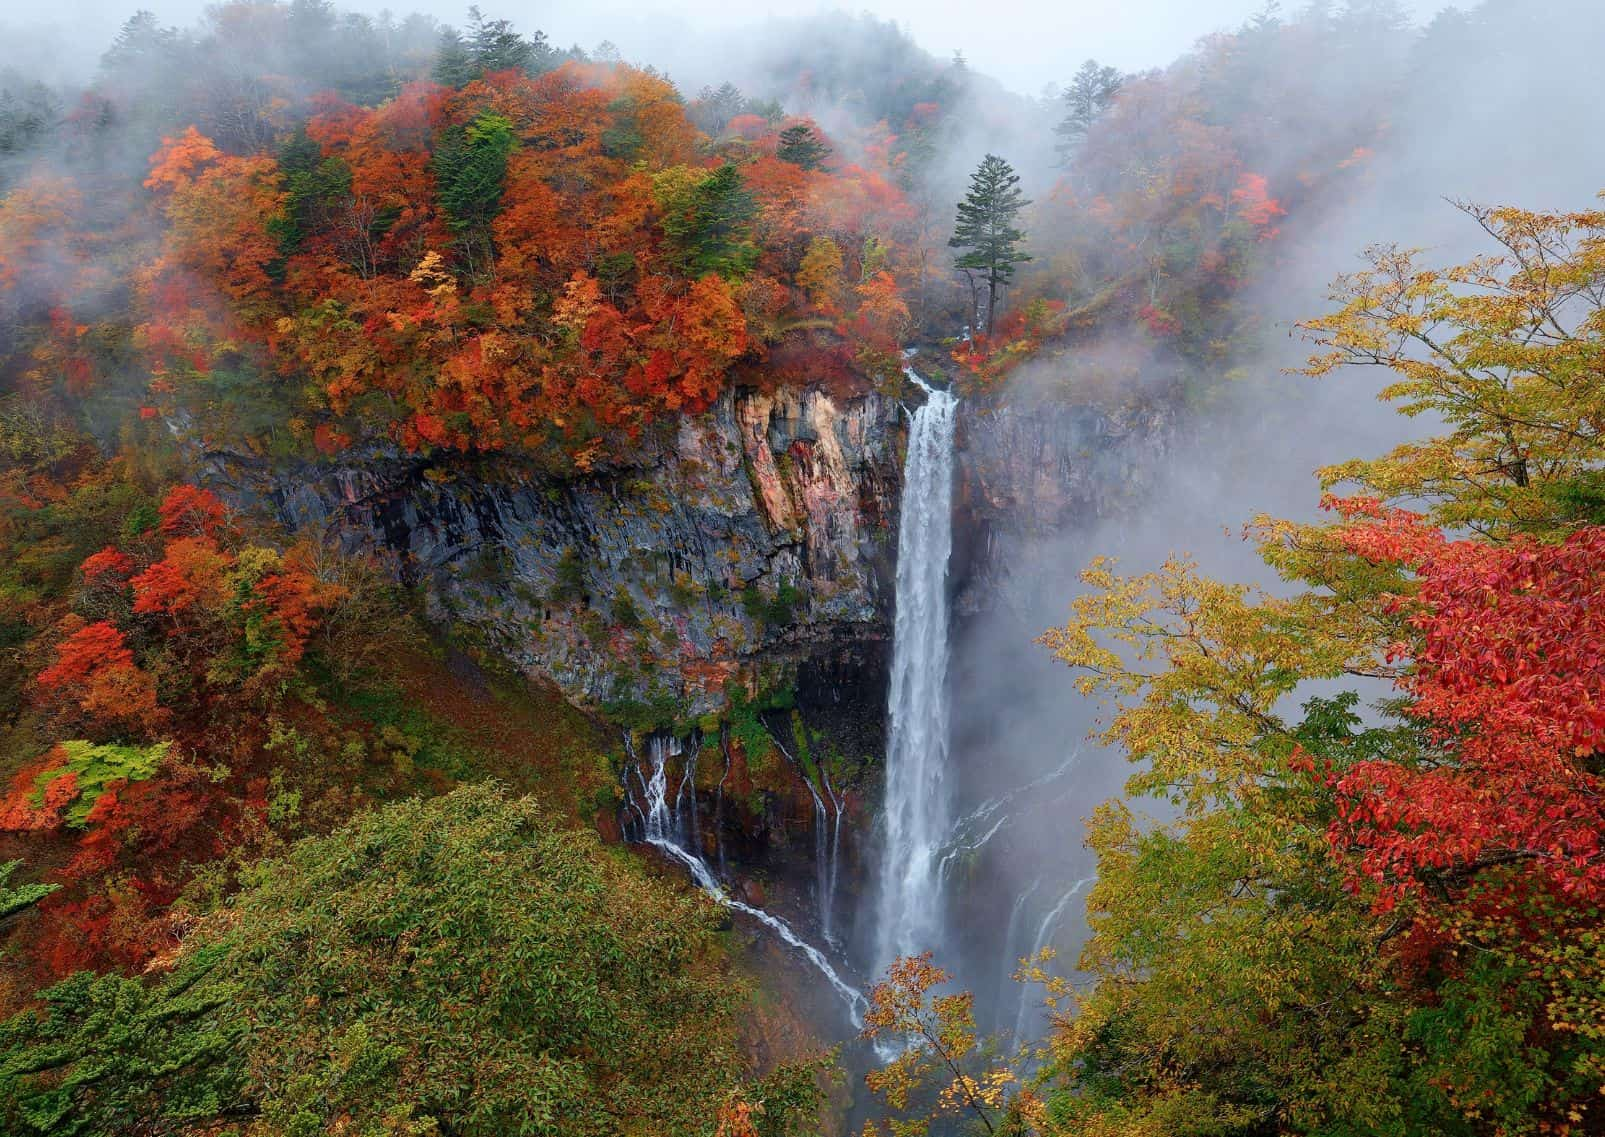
(689, 40)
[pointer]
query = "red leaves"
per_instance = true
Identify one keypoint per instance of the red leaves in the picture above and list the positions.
(95, 677)
(188, 511)
(25, 808)
(109, 566)
(1509, 681)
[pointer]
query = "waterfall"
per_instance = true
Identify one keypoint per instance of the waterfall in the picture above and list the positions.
(909, 916)
(835, 857)
(1044, 930)
(824, 877)
(662, 827)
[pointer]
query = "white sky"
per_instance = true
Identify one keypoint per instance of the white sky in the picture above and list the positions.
(1024, 43)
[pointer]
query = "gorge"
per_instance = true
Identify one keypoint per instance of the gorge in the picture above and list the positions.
(517, 615)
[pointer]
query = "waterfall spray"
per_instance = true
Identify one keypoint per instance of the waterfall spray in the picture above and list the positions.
(909, 914)
(1050, 922)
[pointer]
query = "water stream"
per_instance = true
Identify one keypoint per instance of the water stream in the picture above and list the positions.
(665, 827)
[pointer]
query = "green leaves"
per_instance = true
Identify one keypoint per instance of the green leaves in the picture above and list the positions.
(21, 897)
(986, 227)
(470, 166)
(451, 962)
(708, 217)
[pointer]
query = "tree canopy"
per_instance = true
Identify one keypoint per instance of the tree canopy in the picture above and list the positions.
(451, 965)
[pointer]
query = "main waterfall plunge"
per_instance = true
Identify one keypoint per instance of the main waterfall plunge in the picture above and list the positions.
(909, 916)
(908, 911)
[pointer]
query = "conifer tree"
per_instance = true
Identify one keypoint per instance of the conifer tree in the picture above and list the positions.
(800, 146)
(1089, 94)
(986, 227)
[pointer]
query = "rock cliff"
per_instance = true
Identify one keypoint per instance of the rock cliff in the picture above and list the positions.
(761, 532)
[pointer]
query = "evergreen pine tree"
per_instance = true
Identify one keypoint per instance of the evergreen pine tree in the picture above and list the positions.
(454, 66)
(1089, 94)
(986, 228)
(496, 46)
(711, 226)
(800, 146)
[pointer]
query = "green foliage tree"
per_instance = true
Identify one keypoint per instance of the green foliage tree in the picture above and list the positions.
(708, 219)
(1089, 94)
(495, 46)
(441, 966)
(312, 184)
(470, 165)
(800, 146)
(986, 227)
(21, 897)
(1504, 351)
(454, 63)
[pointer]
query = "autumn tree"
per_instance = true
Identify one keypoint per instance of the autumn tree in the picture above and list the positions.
(1503, 350)
(1405, 895)
(941, 1070)
(986, 228)
(581, 997)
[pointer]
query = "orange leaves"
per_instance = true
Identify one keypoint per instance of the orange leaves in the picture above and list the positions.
(178, 160)
(883, 317)
(697, 335)
(570, 319)
(190, 576)
(1253, 203)
(34, 219)
(95, 678)
(26, 808)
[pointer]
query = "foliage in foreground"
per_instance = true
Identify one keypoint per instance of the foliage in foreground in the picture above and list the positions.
(1384, 922)
(450, 965)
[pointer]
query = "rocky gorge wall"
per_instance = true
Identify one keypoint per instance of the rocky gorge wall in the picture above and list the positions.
(1030, 472)
(749, 550)
(760, 533)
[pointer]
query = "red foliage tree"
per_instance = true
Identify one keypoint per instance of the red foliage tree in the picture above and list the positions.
(1509, 681)
(188, 511)
(95, 676)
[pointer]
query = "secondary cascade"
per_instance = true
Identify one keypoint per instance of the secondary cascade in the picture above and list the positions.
(665, 827)
(909, 914)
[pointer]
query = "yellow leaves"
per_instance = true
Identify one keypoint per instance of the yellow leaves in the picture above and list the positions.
(1503, 348)
(432, 276)
(1194, 669)
(820, 273)
(940, 1060)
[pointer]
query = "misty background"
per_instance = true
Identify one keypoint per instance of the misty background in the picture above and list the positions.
(688, 38)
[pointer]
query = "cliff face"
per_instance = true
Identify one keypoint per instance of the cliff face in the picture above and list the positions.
(761, 532)
(1033, 471)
